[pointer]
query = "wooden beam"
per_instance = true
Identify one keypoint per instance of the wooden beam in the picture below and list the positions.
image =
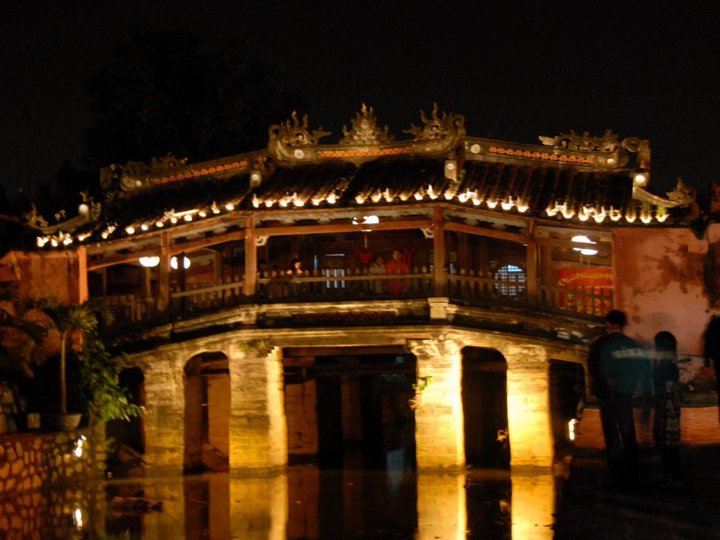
(172, 249)
(484, 231)
(210, 241)
(294, 230)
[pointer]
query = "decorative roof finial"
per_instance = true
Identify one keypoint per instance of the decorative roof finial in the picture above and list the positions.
(365, 130)
(438, 127)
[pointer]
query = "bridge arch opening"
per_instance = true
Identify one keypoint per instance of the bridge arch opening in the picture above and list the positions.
(350, 407)
(484, 396)
(567, 391)
(207, 413)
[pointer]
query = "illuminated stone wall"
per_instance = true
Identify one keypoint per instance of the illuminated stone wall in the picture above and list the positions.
(528, 381)
(258, 428)
(30, 462)
(439, 434)
(165, 410)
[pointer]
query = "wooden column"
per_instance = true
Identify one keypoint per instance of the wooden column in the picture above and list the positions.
(82, 277)
(163, 292)
(250, 258)
(532, 273)
(439, 273)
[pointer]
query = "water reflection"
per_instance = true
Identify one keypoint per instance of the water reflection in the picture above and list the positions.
(302, 503)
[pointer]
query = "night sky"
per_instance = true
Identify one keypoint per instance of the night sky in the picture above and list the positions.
(515, 70)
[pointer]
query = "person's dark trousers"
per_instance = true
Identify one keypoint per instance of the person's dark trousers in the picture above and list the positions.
(613, 446)
(618, 425)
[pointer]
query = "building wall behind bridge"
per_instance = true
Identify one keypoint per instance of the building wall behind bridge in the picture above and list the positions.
(668, 279)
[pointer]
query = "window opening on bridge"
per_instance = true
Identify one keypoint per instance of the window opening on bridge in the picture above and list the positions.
(510, 280)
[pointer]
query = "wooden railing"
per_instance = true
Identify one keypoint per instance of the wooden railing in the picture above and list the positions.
(593, 301)
(340, 283)
(469, 287)
(463, 287)
(205, 296)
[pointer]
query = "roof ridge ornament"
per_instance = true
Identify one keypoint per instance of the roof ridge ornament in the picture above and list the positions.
(438, 127)
(290, 140)
(589, 143)
(365, 130)
(438, 134)
(130, 173)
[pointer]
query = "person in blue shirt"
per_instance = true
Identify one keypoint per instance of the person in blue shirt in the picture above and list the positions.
(618, 365)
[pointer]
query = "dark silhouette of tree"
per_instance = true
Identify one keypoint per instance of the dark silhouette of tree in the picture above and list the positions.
(184, 94)
(63, 192)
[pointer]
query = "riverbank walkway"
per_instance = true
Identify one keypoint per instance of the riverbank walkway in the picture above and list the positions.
(588, 509)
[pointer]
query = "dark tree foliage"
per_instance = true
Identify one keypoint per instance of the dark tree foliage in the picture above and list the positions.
(184, 94)
(64, 190)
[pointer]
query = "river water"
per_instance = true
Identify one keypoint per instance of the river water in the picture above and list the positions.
(303, 502)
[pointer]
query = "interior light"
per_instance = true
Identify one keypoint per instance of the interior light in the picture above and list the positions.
(149, 262)
(174, 263)
(582, 239)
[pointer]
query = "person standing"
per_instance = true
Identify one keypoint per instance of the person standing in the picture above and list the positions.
(617, 364)
(712, 350)
(666, 423)
(377, 286)
(397, 265)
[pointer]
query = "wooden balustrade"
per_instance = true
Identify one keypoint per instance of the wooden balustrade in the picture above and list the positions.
(464, 286)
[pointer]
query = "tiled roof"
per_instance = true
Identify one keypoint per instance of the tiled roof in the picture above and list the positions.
(153, 203)
(569, 177)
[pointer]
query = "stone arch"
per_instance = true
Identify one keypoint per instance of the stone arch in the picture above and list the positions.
(207, 411)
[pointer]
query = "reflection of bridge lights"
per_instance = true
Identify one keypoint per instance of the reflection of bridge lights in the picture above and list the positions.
(78, 448)
(78, 518)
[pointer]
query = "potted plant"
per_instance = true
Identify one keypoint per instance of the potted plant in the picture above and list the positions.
(100, 392)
